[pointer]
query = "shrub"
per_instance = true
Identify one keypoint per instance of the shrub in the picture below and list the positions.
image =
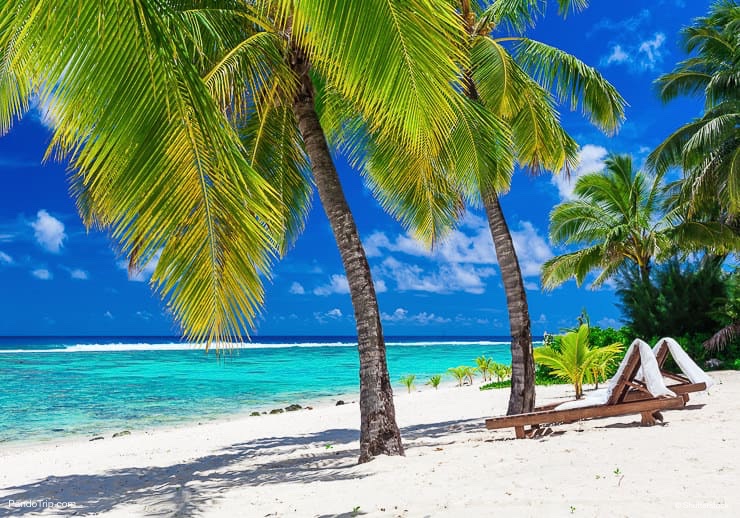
(408, 382)
(484, 366)
(458, 373)
(435, 380)
(575, 361)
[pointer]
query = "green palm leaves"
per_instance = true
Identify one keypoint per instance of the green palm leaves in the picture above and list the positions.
(575, 361)
(707, 148)
(153, 158)
(619, 217)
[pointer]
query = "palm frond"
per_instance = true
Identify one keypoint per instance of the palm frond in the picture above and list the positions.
(157, 161)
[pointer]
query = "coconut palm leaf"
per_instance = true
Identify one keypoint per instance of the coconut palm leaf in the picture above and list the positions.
(159, 165)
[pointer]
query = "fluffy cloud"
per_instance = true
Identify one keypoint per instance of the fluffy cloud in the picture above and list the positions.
(48, 231)
(42, 273)
(297, 289)
(617, 56)
(590, 160)
(650, 51)
(5, 258)
(447, 279)
(78, 274)
(337, 284)
(332, 314)
(108, 315)
(531, 249)
(423, 318)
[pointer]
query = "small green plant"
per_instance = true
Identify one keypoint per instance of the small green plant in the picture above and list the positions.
(469, 374)
(484, 367)
(355, 511)
(572, 509)
(617, 472)
(575, 361)
(435, 380)
(328, 446)
(408, 382)
(458, 373)
(501, 371)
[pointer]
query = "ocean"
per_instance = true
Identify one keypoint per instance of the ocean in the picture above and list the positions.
(56, 387)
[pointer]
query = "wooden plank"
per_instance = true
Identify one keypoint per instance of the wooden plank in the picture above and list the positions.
(662, 353)
(677, 389)
(628, 374)
(577, 414)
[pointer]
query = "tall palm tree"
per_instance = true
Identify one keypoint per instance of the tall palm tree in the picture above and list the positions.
(707, 148)
(618, 219)
(185, 125)
(514, 85)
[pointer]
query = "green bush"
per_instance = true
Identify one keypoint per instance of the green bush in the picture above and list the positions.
(736, 364)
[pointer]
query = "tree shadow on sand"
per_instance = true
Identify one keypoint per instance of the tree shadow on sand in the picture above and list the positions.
(191, 487)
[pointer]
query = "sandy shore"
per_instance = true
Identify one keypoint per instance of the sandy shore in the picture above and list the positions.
(304, 464)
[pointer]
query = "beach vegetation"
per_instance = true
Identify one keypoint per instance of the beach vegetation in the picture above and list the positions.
(459, 373)
(501, 371)
(574, 360)
(435, 380)
(408, 382)
(618, 221)
(519, 81)
(707, 148)
(484, 366)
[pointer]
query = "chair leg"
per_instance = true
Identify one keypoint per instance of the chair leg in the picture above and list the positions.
(650, 418)
(519, 431)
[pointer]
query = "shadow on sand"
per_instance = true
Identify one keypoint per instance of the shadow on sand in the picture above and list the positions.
(189, 488)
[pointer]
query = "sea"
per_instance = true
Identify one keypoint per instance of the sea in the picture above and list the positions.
(60, 387)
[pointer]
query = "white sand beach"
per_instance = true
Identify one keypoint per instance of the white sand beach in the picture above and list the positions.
(303, 463)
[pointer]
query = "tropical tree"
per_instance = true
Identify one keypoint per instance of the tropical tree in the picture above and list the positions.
(187, 126)
(618, 219)
(707, 149)
(484, 366)
(459, 373)
(574, 361)
(515, 84)
(435, 380)
(408, 382)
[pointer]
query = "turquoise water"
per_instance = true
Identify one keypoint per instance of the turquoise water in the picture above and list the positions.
(58, 387)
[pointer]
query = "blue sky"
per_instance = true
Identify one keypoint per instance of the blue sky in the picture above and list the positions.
(58, 279)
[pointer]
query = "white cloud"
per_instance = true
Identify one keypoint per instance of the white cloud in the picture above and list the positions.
(590, 160)
(297, 289)
(337, 284)
(143, 274)
(144, 315)
(380, 286)
(5, 258)
(78, 274)
(609, 322)
(423, 318)
(650, 49)
(6, 238)
(48, 231)
(531, 249)
(449, 277)
(531, 286)
(398, 315)
(42, 273)
(617, 56)
(108, 315)
(332, 314)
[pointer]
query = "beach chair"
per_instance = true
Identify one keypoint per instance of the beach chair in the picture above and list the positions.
(692, 378)
(625, 394)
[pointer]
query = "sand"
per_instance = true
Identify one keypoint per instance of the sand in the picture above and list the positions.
(304, 464)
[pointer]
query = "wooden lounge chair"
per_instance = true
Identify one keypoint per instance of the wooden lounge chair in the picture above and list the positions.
(627, 395)
(683, 385)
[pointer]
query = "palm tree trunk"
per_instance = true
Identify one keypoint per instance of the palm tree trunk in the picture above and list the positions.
(522, 359)
(379, 433)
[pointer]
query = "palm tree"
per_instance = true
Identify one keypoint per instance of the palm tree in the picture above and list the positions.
(707, 148)
(575, 361)
(185, 126)
(514, 86)
(618, 220)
